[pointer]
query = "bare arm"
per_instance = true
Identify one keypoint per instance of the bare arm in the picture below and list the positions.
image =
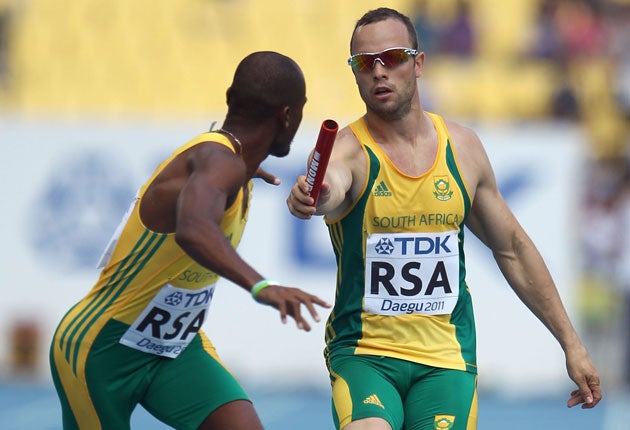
(212, 176)
(522, 265)
(215, 177)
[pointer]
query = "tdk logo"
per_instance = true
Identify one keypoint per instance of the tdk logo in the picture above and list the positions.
(424, 245)
(418, 245)
(174, 299)
(384, 246)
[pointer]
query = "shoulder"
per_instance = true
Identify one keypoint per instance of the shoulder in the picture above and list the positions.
(462, 135)
(346, 148)
(470, 154)
(347, 141)
(466, 142)
(214, 154)
(206, 161)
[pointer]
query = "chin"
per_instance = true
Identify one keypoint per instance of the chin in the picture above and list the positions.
(279, 151)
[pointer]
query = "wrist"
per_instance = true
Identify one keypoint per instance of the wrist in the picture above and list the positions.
(259, 286)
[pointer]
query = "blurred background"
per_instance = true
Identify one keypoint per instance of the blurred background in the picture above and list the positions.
(94, 94)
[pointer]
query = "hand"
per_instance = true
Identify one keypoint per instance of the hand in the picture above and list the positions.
(583, 373)
(266, 176)
(300, 203)
(289, 301)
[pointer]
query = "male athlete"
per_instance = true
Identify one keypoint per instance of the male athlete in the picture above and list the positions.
(135, 338)
(401, 185)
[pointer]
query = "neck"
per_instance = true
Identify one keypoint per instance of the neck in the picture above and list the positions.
(237, 143)
(388, 130)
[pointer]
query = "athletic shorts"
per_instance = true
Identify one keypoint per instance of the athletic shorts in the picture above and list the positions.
(180, 392)
(407, 395)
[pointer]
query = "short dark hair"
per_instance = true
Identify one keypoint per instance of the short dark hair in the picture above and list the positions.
(383, 13)
(264, 81)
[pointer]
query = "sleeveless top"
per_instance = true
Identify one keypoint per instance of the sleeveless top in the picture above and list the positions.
(401, 289)
(149, 283)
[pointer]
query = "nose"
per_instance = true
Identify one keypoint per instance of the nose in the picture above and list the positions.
(379, 60)
(379, 70)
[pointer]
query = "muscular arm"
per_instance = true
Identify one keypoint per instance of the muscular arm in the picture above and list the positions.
(215, 177)
(189, 197)
(522, 265)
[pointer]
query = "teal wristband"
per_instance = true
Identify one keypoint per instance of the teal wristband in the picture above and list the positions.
(261, 285)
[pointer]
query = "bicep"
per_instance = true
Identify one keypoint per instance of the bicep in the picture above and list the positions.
(339, 178)
(214, 178)
(490, 218)
(346, 162)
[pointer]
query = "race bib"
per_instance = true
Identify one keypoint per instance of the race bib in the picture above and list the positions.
(169, 323)
(411, 273)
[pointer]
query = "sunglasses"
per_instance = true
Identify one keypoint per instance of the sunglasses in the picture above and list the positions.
(388, 58)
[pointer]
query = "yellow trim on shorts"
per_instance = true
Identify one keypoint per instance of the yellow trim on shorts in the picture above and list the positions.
(342, 400)
(76, 392)
(474, 408)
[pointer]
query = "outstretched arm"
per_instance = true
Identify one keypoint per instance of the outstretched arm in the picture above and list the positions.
(344, 174)
(522, 265)
(214, 179)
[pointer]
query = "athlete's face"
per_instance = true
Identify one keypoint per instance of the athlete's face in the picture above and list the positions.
(388, 92)
(290, 123)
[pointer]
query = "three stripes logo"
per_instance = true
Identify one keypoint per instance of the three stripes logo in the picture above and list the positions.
(373, 400)
(381, 190)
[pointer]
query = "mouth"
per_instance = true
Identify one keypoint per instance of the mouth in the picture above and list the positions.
(382, 91)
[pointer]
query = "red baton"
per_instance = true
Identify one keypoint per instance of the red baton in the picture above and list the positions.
(321, 155)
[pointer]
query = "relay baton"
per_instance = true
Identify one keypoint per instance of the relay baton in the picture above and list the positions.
(321, 155)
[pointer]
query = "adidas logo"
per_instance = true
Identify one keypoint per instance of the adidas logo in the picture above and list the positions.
(373, 400)
(382, 190)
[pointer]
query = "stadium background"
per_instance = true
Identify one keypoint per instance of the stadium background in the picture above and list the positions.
(93, 94)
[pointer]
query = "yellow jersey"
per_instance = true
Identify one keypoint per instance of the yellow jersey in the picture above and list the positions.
(149, 283)
(401, 289)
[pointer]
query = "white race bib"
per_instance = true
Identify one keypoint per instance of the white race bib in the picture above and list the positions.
(170, 321)
(411, 273)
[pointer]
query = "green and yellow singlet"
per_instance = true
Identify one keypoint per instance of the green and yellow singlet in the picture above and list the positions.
(148, 283)
(401, 289)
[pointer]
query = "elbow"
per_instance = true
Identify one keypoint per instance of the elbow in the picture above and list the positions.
(184, 241)
(186, 236)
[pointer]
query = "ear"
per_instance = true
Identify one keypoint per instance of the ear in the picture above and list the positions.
(419, 64)
(284, 115)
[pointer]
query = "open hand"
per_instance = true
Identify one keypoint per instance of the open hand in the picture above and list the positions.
(289, 301)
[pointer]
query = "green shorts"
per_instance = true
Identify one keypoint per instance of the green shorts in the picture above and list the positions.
(180, 392)
(405, 394)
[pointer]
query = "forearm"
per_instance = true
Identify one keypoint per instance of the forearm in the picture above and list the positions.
(216, 253)
(529, 277)
(338, 181)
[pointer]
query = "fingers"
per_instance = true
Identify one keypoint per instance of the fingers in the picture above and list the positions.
(282, 308)
(289, 302)
(307, 300)
(300, 204)
(267, 177)
(311, 308)
(577, 398)
(588, 394)
(310, 305)
(574, 399)
(596, 390)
